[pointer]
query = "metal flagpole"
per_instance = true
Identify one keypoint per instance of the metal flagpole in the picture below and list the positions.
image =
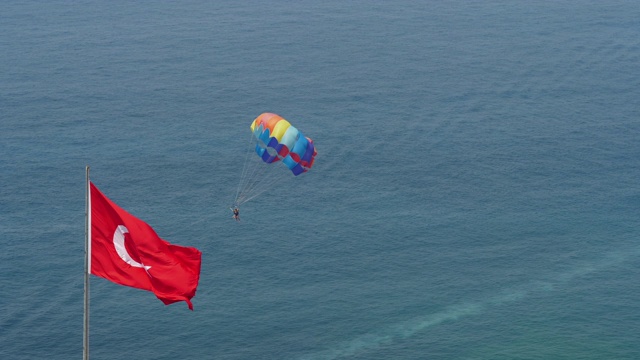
(87, 235)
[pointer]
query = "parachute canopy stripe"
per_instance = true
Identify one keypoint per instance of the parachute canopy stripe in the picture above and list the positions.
(300, 148)
(280, 129)
(290, 137)
(309, 155)
(267, 121)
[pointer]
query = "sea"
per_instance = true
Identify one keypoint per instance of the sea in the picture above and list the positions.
(475, 194)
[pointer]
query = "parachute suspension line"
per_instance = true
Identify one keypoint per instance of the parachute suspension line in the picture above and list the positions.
(262, 183)
(257, 182)
(260, 190)
(253, 181)
(257, 177)
(255, 170)
(245, 170)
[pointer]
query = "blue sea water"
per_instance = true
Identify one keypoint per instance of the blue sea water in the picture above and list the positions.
(475, 193)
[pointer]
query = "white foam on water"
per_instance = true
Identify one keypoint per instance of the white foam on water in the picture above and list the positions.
(409, 328)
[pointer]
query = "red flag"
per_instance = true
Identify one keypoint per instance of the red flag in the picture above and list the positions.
(127, 251)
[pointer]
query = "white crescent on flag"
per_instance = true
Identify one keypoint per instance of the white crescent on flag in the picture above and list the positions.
(118, 243)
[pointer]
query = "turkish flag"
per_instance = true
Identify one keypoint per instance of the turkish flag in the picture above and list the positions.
(127, 251)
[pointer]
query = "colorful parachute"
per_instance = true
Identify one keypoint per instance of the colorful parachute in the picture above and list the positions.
(279, 140)
(274, 140)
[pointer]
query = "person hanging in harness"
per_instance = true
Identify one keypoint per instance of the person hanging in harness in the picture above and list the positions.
(236, 213)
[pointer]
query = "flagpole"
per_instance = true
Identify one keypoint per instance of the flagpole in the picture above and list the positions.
(87, 229)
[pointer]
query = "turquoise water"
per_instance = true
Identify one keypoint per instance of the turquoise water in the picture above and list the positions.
(475, 193)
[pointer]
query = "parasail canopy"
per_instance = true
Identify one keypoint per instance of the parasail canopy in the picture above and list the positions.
(274, 140)
(279, 140)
